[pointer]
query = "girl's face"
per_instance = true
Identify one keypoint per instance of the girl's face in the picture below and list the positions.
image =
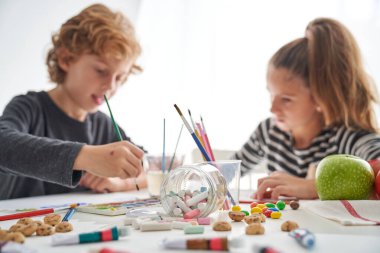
(292, 105)
(90, 77)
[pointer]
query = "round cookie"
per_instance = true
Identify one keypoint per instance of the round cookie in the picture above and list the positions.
(254, 218)
(15, 237)
(221, 226)
(28, 230)
(25, 221)
(52, 219)
(3, 233)
(64, 227)
(289, 225)
(45, 230)
(39, 223)
(16, 227)
(236, 216)
(254, 229)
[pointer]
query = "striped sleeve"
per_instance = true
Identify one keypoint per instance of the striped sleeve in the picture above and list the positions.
(253, 151)
(363, 144)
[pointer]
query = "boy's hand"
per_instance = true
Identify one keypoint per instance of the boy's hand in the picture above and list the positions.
(283, 184)
(119, 159)
(104, 184)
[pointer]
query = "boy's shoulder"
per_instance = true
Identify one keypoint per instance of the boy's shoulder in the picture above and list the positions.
(30, 99)
(31, 96)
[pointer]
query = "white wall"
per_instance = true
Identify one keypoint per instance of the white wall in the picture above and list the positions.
(206, 55)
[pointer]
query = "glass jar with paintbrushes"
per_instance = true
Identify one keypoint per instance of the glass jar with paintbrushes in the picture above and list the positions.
(157, 167)
(198, 190)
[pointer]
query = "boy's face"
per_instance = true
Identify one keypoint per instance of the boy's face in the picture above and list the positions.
(90, 77)
(291, 102)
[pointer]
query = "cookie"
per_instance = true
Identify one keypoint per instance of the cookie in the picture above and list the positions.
(45, 230)
(16, 227)
(221, 226)
(28, 230)
(236, 216)
(25, 221)
(254, 229)
(288, 226)
(15, 237)
(52, 219)
(64, 227)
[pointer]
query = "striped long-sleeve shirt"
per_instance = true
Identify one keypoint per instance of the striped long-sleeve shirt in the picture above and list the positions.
(275, 146)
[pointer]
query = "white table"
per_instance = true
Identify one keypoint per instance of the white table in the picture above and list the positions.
(330, 236)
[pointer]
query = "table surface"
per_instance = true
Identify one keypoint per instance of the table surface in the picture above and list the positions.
(330, 235)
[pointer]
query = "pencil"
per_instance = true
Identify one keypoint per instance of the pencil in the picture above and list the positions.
(201, 148)
(70, 212)
(117, 130)
(26, 214)
(207, 140)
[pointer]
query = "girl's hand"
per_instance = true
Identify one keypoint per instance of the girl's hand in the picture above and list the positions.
(119, 159)
(283, 184)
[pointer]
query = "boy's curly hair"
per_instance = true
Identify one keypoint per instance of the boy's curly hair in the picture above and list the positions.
(95, 30)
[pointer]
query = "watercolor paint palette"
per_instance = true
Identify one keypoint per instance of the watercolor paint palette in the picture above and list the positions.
(118, 208)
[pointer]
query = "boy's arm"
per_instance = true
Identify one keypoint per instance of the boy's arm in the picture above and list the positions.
(31, 156)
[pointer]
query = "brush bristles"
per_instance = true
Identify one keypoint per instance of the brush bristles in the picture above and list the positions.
(178, 110)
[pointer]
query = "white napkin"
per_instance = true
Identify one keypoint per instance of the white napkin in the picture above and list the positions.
(347, 212)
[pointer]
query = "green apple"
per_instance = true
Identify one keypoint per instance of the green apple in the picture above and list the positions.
(344, 177)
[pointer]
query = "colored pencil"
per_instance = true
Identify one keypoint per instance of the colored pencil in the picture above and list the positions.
(203, 151)
(207, 140)
(117, 130)
(201, 148)
(197, 133)
(70, 212)
(26, 214)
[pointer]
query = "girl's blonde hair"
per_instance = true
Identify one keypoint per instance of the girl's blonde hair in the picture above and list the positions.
(329, 60)
(95, 30)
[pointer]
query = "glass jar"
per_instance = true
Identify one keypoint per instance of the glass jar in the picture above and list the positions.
(180, 188)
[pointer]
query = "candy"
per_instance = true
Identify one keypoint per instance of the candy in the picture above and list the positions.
(275, 215)
(246, 212)
(253, 204)
(261, 205)
(294, 204)
(267, 213)
(280, 204)
(256, 210)
(236, 208)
